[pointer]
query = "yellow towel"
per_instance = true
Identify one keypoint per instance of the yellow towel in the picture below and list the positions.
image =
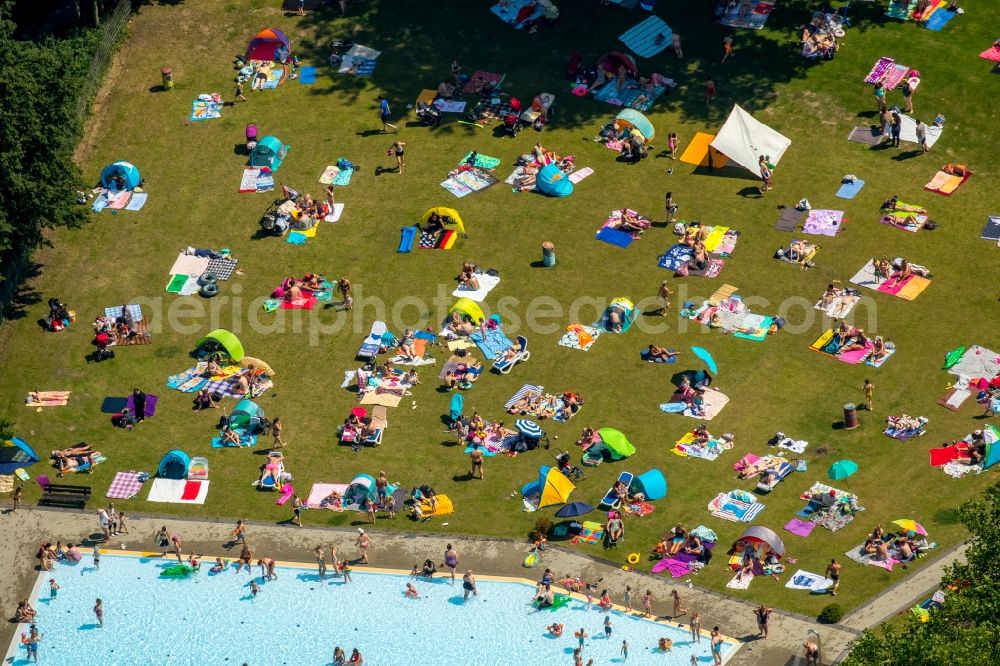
(822, 340)
(913, 288)
(715, 238)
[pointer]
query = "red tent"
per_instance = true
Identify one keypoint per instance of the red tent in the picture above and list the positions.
(266, 43)
(612, 61)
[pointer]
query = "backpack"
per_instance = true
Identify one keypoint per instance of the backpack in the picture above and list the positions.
(344, 164)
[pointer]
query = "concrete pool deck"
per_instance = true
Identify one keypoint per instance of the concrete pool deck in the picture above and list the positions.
(30, 526)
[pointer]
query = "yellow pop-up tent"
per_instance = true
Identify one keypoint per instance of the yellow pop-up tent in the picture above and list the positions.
(448, 215)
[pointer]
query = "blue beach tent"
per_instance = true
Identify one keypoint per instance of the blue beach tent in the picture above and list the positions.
(16, 454)
(128, 171)
(174, 465)
(652, 485)
(553, 182)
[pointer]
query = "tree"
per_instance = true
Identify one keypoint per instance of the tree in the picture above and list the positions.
(966, 631)
(39, 128)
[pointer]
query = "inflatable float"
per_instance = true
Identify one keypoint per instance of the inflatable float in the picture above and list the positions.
(558, 602)
(177, 571)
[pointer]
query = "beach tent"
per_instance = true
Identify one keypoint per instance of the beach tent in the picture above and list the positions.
(174, 465)
(614, 444)
(449, 215)
(612, 61)
(362, 488)
(992, 454)
(652, 485)
(247, 415)
(743, 139)
(470, 309)
(16, 454)
(552, 487)
(632, 119)
(553, 182)
(269, 152)
(758, 534)
(226, 340)
(269, 44)
(126, 170)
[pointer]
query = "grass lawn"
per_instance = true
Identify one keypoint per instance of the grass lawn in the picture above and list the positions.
(193, 170)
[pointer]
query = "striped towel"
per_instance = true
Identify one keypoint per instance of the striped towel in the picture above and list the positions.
(521, 392)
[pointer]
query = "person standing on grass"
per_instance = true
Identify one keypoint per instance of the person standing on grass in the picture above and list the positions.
(296, 510)
(709, 92)
(879, 93)
(896, 128)
(383, 114)
(476, 458)
(397, 148)
(99, 612)
(302, 8)
(885, 119)
(763, 613)
(15, 499)
(344, 286)
(370, 509)
(869, 390)
(907, 96)
(678, 604)
(672, 144)
(276, 433)
(456, 72)
(833, 573)
(727, 47)
(664, 295)
(238, 97)
(765, 174)
(922, 136)
(671, 207)
(676, 42)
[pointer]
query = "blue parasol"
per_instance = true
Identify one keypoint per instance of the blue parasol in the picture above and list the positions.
(528, 428)
(707, 358)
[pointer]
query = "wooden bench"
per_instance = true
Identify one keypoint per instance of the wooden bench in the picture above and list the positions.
(64, 495)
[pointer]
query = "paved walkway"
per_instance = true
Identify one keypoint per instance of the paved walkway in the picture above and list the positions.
(29, 527)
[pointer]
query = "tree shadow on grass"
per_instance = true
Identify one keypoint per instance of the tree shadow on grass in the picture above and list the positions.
(16, 298)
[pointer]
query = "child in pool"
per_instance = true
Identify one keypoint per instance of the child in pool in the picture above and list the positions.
(664, 645)
(254, 588)
(220, 565)
(411, 592)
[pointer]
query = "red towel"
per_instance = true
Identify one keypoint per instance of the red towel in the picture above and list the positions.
(191, 490)
(944, 455)
(304, 303)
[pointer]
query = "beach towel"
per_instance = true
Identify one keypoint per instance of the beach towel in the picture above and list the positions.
(486, 284)
(734, 17)
(521, 392)
(614, 237)
(481, 161)
(189, 264)
(319, 496)
(908, 289)
(945, 183)
(178, 491)
(580, 337)
(125, 485)
(648, 38)
(493, 343)
(991, 230)
(729, 506)
(675, 567)
(137, 201)
(758, 328)
(246, 440)
(580, 174)
(510, 13)
(307, 75)
(714, 401)
(908, 132)
(343, 177)
(839, 307)
(205, 110)
(47, 399)
(697, 152)
(823, 222)
(804, 580)
(383, 399)
(686, 447)
(741, 582)
(335, 213)
(849, 190)
(479, 80)
(799, 527)
(275, 77)
(870, 136)
(248, 182)
(329, 173)
(992, 53)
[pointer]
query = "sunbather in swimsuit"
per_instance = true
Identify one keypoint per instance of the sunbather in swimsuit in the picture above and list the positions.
(68, 464)
(74, 451)
(460, 326)
(406, 346)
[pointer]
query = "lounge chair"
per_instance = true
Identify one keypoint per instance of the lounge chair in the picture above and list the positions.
(372, 343)
(611, 499)
(770, 478)
(503, 365)
(380, 422)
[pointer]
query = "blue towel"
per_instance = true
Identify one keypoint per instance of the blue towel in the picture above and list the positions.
(295, 238)
(939, 19)
(673, 407)
(644, 354)
(850, 190)
(675, 257)
(408, 235)
(614, 237)
(307, 75)
(642, 38)
(343, 178)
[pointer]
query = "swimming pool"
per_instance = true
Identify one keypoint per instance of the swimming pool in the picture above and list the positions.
(297, 620)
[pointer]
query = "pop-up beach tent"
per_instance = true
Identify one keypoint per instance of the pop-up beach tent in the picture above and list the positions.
(128, 171)
(552, 181)
(552, 487)
(16, 454)
(470, 309)
(226, 340)
(247, 415)
(743, 139)
(269, 152)
(174, 465)
(632, 119)
(758, 534)
(652, 485)
(269, 44)
(448, 216)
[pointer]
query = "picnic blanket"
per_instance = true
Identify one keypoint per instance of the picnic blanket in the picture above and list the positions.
(125, 485)
(479, 80)
(945, 183)
(954, 398)
(908, 132)
(888, 71)
(578, 336)
(991, 230)
(205, 109)
(319, 496)
(137, 201)
(631, 95)
(510, 13)
(521, 392)
(648, 38)
(189, 264)
(486, 284)
(754, 19)
(870, 135)
(256, 180)
(799, 527)
(977, 361)
(789, 219)
(134, 309)
(823, 222)
(804, 580)
(850, 189)
(481, 161)
(467, 181)
(992, 53)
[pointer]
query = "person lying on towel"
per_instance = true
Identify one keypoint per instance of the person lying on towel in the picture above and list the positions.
(659, 354)
(904, 269)
(82, 461)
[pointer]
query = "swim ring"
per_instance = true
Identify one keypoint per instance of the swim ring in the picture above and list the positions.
(633, 558)
(531, 560)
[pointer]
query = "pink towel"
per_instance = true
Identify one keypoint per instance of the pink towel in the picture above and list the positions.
(854, 356)
(799, 527)
(675, 567)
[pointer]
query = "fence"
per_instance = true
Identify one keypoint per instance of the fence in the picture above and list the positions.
(111, 31)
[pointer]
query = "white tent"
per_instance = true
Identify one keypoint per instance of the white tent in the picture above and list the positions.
(743, 139)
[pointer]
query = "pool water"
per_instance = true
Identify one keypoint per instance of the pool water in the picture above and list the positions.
(297, 620)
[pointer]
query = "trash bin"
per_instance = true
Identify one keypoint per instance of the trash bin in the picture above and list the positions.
(850, 416)
(168, 78)
(548, 254)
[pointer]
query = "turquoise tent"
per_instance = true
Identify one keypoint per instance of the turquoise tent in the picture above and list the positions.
(553, 182)
(630, 118)
(992, 455)
(247, 415)
(128, 171)
(269, 152)
(174, 465)
(652, 485)
(17, 455)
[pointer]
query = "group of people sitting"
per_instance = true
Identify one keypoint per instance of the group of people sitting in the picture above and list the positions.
(243, 382)
(117, 328)
(475, 430)
(385, 378)
(302, 211)
(693, 395)
(629, 221)
(819, 36)
(902, 546)
(798, 252)
(461, 371)
(678, 540)
(293, 289)
(59, 316)
(50, 554)
(533, 163)
(749, 559)
(831, 295)
(972, 448)
(897, 271)
(79, 456)
(431, 230)
(851, 338)
(547, 405)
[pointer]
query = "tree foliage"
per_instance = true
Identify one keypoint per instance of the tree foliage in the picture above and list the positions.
(966, 631)
(39, 129)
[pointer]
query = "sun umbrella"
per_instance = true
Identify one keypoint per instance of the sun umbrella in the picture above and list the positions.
(573, 510)
(842, 469)
(704, 355)
(910, 525)
(257, 365)
(528, 428)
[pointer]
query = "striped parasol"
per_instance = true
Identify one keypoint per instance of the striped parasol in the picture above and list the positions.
(258, 366)
(528, 428)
